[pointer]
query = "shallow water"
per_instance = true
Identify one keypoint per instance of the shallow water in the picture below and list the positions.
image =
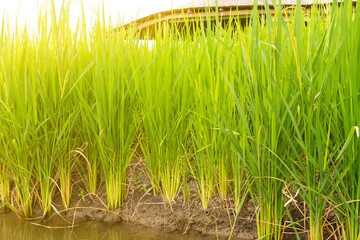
(13, 228)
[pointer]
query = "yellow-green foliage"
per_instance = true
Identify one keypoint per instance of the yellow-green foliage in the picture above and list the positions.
(270, 108)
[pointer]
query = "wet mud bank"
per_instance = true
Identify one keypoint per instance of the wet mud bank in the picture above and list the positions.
(142, 208)
(150, 217)
(145, 213)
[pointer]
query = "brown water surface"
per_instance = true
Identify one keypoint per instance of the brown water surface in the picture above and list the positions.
(13, 228)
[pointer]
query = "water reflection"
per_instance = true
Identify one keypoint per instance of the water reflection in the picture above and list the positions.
(13, 228)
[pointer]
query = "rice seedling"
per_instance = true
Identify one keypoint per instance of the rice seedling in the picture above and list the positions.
(166, 99)
(115, 112)
(212, 150)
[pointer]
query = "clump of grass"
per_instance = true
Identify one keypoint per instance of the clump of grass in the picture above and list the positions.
(165, 98)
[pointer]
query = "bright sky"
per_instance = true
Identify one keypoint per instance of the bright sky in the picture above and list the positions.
(27, 10)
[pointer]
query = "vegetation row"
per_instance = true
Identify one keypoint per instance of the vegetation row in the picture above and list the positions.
(268, 109)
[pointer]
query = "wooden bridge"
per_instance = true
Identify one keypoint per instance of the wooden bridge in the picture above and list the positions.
(224, 10)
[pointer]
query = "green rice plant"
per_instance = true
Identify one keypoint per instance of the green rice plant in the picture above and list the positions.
(346, 119)
(258, 106)
(14, 155)
(212, 159)
(87, 156)
(307, 123)
(15, 124)
(205, 157)
(115, 114)
(165, 98)
(59, 113)
(39, 115)
(317, 153)
(211, 167)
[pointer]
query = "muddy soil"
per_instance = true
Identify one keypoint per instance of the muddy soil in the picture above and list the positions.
(143, 208)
